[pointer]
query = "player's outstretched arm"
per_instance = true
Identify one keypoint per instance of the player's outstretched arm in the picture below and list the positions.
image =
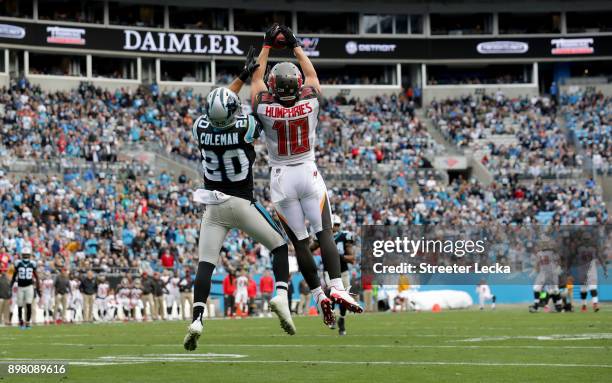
(310, 74)
(257, 81)
(249, 67)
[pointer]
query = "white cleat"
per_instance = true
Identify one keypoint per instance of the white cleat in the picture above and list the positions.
(193, 334)
(280, 306)
(343, 298)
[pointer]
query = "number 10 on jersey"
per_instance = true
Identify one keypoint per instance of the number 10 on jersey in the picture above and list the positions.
(292, 136)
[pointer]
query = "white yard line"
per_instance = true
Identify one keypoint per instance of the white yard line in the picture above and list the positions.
(140, 360)
(411, 346)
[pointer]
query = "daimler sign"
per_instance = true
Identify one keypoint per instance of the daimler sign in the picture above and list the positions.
(171, 42)
(175, 43)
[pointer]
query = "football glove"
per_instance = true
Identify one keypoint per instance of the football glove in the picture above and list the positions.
(250, 65)
(291, 40)
(271, 34)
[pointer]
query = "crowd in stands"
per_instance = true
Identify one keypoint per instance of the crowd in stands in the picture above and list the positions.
(589, 117)
(515, 136)
(95, 124)
(135, 223)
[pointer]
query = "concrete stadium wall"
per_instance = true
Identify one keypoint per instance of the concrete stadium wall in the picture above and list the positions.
(348, 91)
(111, 84)
(606, 89)
(441, 92)
(54, 83)
(359, 91)
(5, 80)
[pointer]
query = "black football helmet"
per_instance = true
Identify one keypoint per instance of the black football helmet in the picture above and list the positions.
(285, 81)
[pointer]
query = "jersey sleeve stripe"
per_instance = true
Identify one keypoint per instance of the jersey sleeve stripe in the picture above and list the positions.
(250, 134)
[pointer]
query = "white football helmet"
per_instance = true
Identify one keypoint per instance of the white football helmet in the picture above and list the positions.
(336, 220)
(222, 105)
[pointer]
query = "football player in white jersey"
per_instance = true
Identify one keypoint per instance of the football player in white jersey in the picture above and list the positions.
(174, 296)
(588, 255)
(101, 298)
(242, 294)
(288, 108)
(484, 294)
(48, 291)
(547, 266)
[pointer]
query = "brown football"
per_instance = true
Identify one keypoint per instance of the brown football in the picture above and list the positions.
(280, 42)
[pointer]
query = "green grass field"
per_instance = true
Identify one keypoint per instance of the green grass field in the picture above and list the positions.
(506, 345)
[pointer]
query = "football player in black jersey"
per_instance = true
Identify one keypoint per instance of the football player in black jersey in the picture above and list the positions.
(225, 138)
(25, 275)
(344, 242)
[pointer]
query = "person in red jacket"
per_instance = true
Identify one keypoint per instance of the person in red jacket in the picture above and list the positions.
(252, 292)
(229, 287)
(266, 287)
(167, 260)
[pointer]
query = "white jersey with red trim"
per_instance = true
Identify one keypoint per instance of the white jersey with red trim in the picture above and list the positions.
(242, 284)
(47, 287)
(103, 290)
(290, 131)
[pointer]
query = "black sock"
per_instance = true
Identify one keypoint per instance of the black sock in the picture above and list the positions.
(342, 311)
(304, 257)
(169, 311)
(280, 263)
(20, 314)
(536, 298)
(329, 253)
(201, 288)
(583, 295)
(28, 312)
(306, 263)
(593, 293)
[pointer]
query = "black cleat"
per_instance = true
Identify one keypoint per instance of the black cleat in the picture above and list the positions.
(341, 328)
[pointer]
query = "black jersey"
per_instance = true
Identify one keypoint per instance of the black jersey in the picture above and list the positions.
(342, 238)
(24, 272)
(228, 155)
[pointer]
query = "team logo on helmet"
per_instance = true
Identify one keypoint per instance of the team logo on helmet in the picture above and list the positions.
(222, 105)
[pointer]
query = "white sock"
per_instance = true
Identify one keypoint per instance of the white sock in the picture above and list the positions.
(281, 292)
(316, 293)
(336, 283)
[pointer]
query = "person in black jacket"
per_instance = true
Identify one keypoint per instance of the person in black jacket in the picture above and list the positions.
(158, 297)
(5, 298)
(88, 287)
(147, 294)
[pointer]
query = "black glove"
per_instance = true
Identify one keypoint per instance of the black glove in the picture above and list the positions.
(250, 65)
(290, 40)
(271, 34)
